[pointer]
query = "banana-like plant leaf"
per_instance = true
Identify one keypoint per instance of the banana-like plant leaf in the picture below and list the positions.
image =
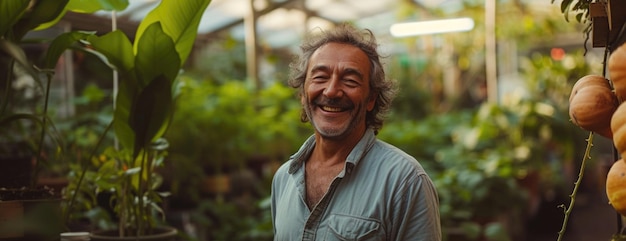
(180, 20)
(151, 112)
(115, 50)
(156, 55)
(42, 12)
(91, 6)
(86, 6)
(127, 91)
(11, 11)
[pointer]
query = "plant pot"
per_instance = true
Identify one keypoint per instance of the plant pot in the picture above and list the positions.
(30, 219)
(164, 233)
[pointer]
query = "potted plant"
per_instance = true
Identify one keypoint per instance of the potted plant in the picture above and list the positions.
(148, 68)
(27, 134)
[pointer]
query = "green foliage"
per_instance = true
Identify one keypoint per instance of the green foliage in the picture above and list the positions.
(24, 114)
(143, 108)
(113, 175)
(477, 158)
(279, 129)
(212, 125)
(93, 6)
(229, 221)
(480, 159)
(217, 128)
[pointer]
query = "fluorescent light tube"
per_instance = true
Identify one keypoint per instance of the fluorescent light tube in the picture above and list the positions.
(431, 27)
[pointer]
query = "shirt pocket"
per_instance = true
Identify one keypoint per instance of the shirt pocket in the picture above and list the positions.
(344, 227)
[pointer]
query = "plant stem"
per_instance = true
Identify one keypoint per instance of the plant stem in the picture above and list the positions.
(85, 166)
(42, 137)
(141, 212)
(576, 186)
(7, 91)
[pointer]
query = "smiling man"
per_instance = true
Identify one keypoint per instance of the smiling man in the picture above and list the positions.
(344, 183)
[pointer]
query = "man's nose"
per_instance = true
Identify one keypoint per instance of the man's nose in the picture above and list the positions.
(334, 88)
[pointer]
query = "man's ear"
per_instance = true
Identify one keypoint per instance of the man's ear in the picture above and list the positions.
(371, 102)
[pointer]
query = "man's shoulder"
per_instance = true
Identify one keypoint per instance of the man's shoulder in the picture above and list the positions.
(283, 169)
(387, 156)
(390, 151)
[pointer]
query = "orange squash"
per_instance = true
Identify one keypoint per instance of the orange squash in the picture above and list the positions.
(616, 186)
(592, 106)
(588, 80)
(618, 127)
(617, 71)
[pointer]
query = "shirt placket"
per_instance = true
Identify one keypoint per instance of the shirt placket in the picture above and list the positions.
(312, 223)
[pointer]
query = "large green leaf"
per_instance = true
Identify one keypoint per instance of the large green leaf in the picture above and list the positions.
(156, 55)
(42, 12)
(10, 13)
(86, 6)
(180, 20)
(123, 103)
(62, 43)
(116, 47)
(151, 112)
(90, 6)
(156, 60)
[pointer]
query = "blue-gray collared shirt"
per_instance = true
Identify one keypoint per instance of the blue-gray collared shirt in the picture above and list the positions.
(381, 194)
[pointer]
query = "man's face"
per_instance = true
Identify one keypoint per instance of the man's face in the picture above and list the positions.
(337, 89)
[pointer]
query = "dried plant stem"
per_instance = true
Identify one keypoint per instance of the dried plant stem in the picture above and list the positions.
(572, 196)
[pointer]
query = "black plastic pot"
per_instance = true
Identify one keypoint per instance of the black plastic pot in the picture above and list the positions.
(159, 234)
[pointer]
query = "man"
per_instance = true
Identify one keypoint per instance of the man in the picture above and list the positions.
(344, 183)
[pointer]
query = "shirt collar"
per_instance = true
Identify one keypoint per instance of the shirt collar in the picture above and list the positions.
(357, 153)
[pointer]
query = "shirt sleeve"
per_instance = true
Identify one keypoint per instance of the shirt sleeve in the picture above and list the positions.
(416, 211)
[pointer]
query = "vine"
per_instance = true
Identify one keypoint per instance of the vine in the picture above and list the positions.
(572, 196)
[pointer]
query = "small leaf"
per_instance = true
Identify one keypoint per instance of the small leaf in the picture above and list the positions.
(565, 5)
(116, 47)
(132, 171)
(62, 43)
(18, 54)
(579, 17)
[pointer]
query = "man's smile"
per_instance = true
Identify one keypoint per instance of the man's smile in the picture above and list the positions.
(331, 109)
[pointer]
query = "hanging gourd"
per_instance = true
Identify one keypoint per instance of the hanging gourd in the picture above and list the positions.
(592, 104)
(617, 71)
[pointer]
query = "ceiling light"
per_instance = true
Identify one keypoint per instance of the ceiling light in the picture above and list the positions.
(431, 27)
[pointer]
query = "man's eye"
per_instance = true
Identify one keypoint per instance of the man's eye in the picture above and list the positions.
(351, 83)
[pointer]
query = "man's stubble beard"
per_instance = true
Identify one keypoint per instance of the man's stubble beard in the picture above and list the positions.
(334, 133)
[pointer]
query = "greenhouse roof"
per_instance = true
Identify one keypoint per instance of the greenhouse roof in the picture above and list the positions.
(282, 22)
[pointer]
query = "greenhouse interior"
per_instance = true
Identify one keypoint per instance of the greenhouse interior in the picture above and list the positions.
(172, 118)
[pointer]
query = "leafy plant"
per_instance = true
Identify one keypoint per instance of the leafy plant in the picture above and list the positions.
(147, 69)
(22, 123)
(480, 158)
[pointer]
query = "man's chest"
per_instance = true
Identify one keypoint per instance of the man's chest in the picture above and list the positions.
(318, 182)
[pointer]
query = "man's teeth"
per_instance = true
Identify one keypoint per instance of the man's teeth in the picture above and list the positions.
(331, 109)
